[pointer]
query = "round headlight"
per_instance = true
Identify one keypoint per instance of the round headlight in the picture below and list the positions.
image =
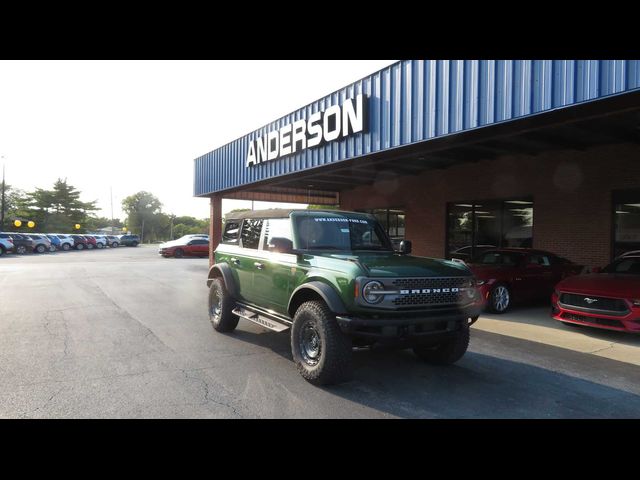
(369, 288)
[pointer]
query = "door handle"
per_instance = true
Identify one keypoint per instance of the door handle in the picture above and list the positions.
(258, 265)
(234, 260)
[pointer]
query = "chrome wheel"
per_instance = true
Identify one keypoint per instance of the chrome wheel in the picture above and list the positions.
(215, 310)
(310, 344)
(501, 298)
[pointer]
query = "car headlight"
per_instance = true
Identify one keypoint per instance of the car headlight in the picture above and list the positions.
(369, 288)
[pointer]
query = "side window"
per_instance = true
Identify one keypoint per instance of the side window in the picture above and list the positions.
(231, 232)
(251, 233)
(199, 242)
(541, 260)
(277, 235)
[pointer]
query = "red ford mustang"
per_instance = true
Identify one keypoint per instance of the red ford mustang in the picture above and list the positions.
(508, 274)
(609, 299)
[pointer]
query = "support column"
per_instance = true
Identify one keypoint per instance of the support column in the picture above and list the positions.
(215, 229)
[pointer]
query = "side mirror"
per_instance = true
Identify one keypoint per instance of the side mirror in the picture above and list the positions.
(280, 245)
(596, 270)
(405, 247)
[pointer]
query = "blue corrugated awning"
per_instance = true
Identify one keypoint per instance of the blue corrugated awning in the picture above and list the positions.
(416, 101)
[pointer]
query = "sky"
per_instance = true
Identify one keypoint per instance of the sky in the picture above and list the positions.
(126, 126)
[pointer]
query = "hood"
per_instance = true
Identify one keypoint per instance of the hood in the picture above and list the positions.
(603, 284)
(394, 265)
(173, 243)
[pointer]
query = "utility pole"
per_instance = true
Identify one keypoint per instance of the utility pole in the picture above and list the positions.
(111, 190)
(3, 202)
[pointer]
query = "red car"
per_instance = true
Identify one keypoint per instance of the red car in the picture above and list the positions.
(91, 242)
(506, 275)
(607, 299)
(196, 247)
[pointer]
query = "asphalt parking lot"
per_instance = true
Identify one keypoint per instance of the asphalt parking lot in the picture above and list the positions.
(123, 333)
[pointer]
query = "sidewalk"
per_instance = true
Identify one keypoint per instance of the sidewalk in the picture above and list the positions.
(535, 324)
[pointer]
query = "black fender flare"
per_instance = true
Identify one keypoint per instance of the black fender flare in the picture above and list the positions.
(225, 272)
(328, 294)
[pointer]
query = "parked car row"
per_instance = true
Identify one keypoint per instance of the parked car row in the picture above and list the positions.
(22, 243)
(607, 298)
(196, 245)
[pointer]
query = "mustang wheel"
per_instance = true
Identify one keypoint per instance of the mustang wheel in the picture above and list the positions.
(220, 307)
(320, 350)
(499, 299)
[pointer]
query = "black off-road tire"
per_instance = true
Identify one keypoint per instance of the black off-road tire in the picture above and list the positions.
(333, 363)
(179, 253)
(222, 320)
(447, 352)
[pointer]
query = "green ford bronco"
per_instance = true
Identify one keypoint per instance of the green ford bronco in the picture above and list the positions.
(335, 280)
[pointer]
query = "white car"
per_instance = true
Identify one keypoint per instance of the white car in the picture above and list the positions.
(66, 242)
(101, 241)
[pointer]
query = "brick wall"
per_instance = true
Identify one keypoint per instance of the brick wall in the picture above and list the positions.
(571, 191)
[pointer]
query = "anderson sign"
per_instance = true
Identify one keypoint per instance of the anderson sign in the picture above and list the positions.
(334, 123)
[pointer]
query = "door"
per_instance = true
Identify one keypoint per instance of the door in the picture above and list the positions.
(275, 267)
(538, 276)
(198, 247)
(244, 263)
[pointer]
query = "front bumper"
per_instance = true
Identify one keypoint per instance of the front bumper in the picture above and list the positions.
(627, 323)
(405, 327)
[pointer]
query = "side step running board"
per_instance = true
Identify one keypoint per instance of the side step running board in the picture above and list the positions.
(262, 320)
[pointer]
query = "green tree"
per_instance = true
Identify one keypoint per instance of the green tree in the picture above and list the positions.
(55, 210)
(143, 211)
(322, 207)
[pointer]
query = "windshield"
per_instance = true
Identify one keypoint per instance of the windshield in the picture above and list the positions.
(498, 258)
(629, 265)
(335, 231)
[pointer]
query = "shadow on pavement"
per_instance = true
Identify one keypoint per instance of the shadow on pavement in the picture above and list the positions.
(480, 385)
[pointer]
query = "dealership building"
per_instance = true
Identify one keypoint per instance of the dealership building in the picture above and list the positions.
(457, 155)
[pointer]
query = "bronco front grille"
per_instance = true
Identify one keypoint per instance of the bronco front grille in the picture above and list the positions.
(430, 291)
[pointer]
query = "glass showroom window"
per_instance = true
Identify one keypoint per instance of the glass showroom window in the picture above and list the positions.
(392, 220)
(476, 226)
(626, 222)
